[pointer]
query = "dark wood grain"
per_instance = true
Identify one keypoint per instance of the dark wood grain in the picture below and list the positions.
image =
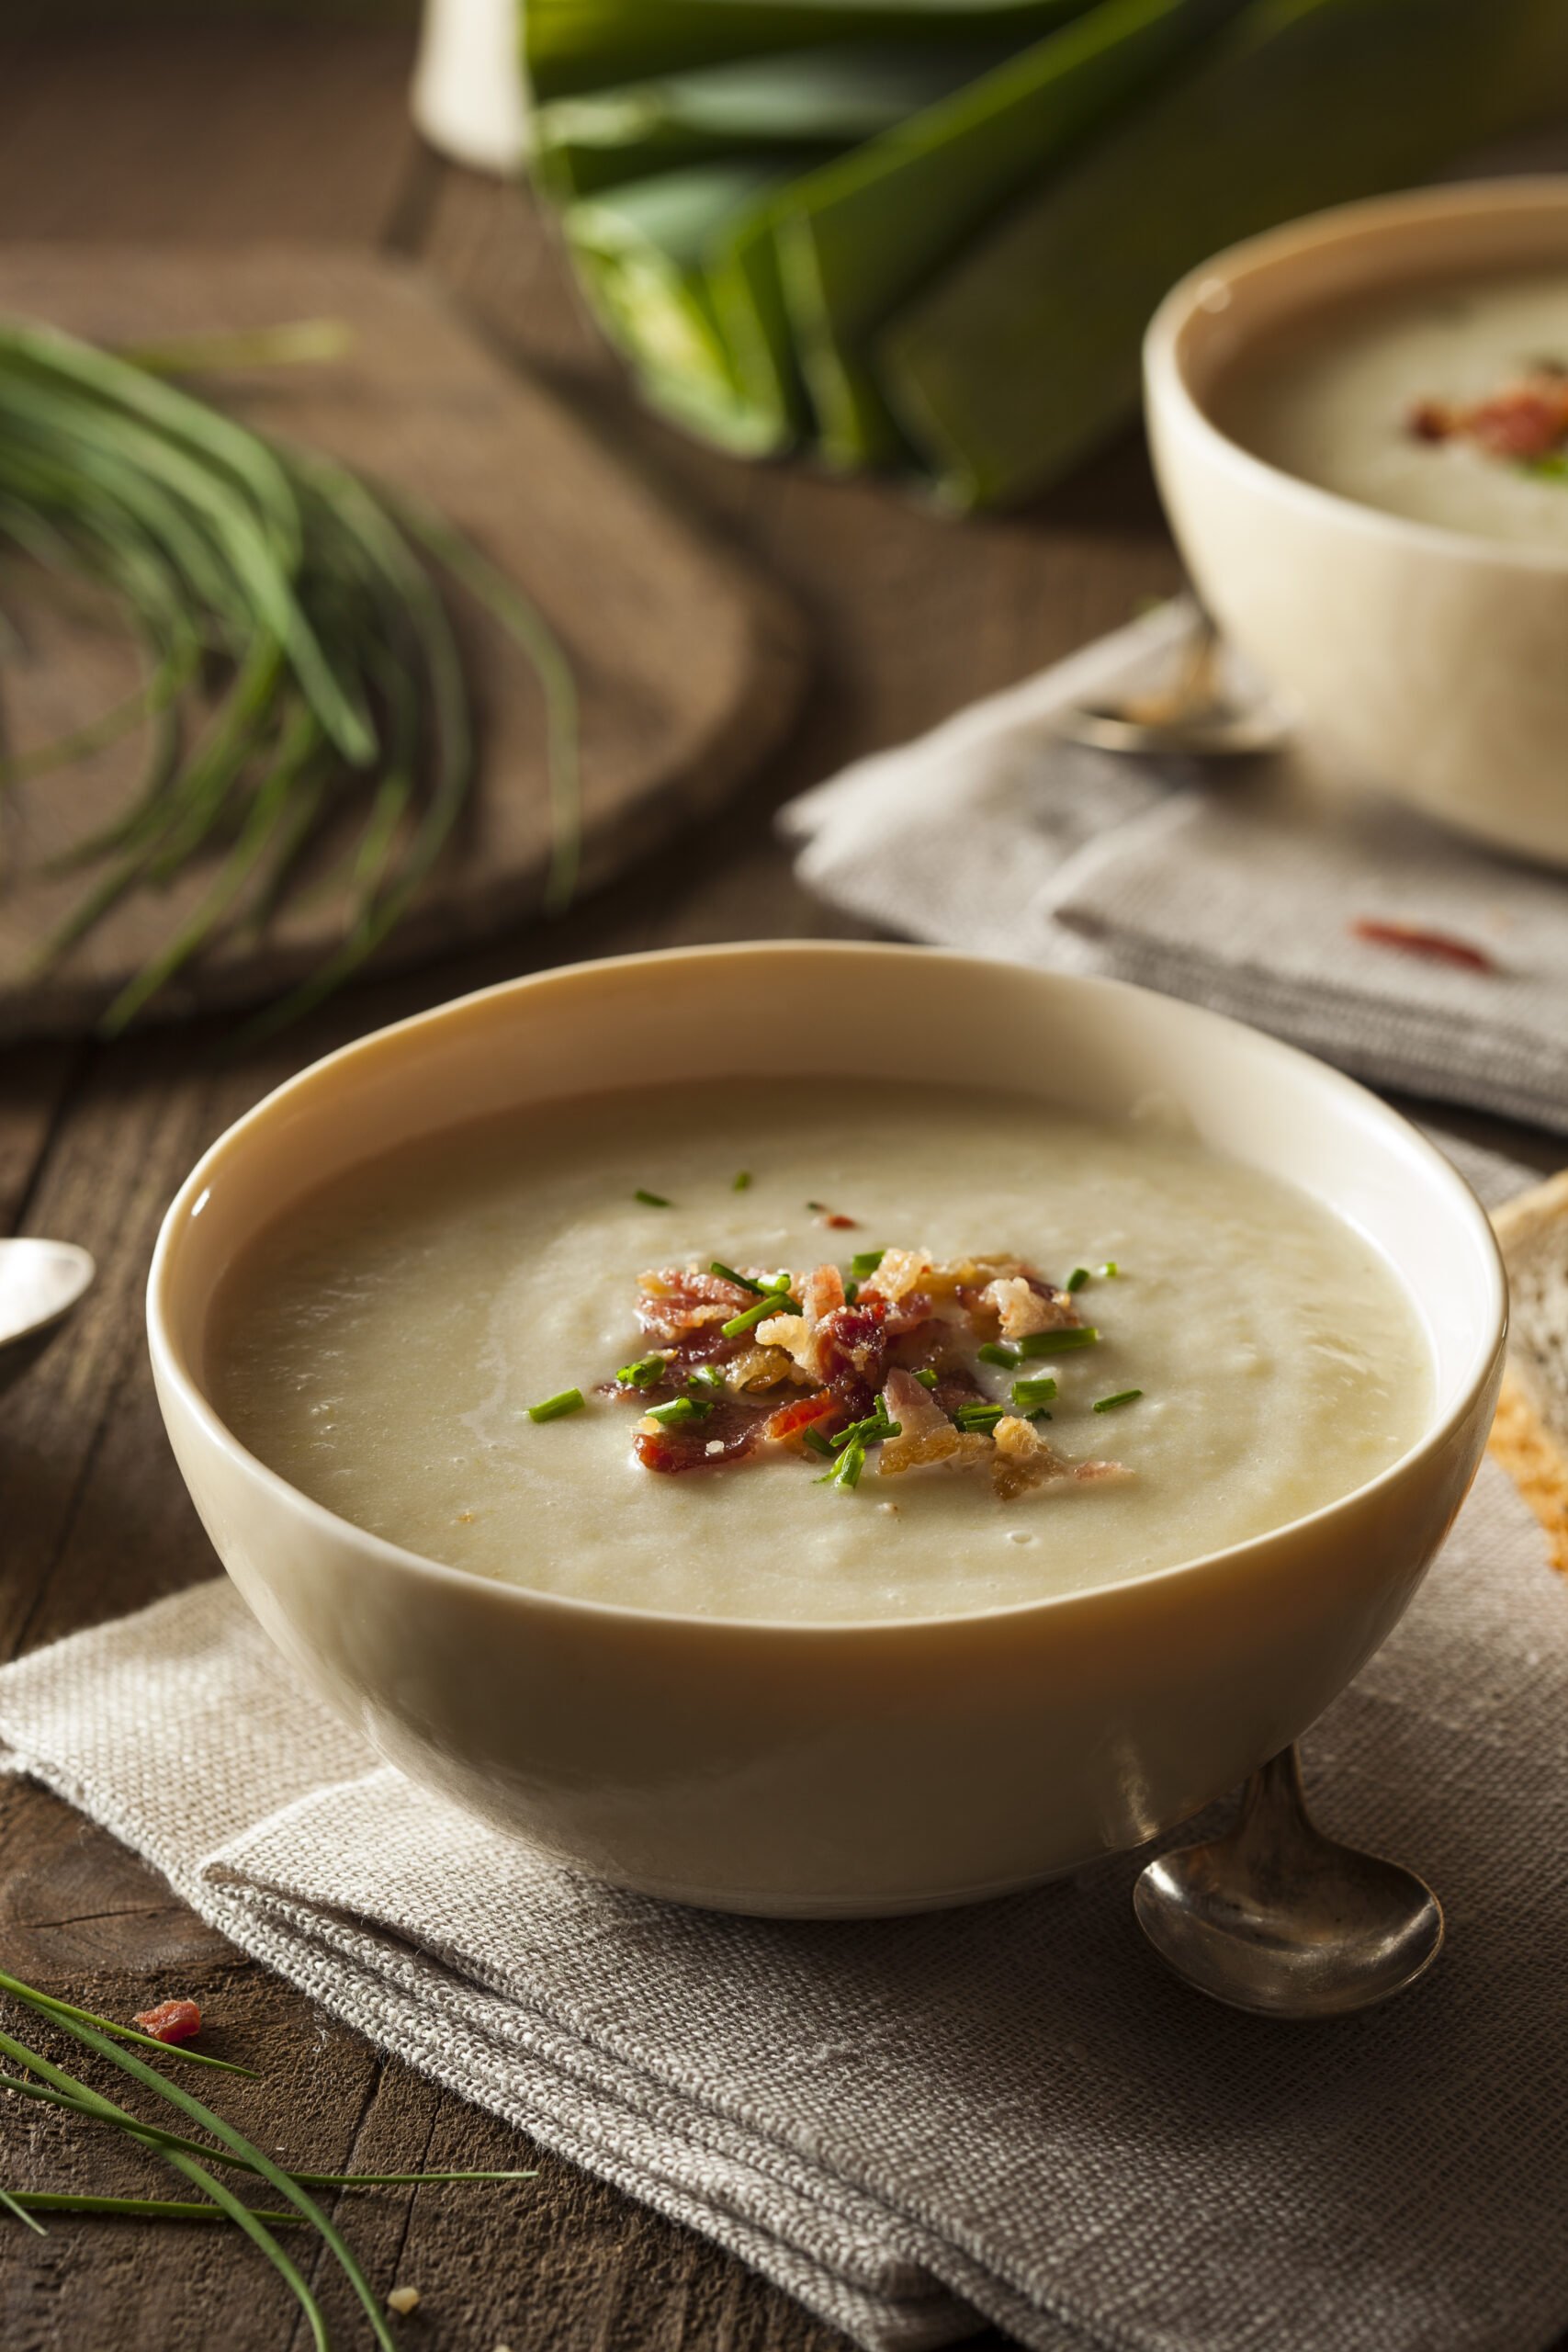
(289, 131)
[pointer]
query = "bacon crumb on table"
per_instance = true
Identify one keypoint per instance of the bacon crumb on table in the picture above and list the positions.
(170, 2022)
(1415, 939)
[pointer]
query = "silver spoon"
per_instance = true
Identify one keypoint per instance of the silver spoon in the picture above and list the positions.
(1193, 716)
(1275, 1917)
(40, 1282)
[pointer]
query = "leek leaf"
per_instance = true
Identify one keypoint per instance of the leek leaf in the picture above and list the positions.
(830, 98)
(572, 45)
(867, 230)
(1024, 353)
(653, 261)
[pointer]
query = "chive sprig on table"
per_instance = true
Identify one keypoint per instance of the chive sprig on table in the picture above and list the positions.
(193, 2158)
(299, 662)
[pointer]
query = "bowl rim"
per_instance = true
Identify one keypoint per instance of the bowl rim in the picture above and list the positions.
(170, 1365)
(1167, 387)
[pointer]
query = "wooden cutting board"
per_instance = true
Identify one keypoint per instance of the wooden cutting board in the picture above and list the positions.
(688, 666)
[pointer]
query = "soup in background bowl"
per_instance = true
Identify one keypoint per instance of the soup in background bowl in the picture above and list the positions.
(1360, 435)
(1064, 1405)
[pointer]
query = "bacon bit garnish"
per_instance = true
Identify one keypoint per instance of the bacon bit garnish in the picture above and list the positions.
(1440, 946)
(732, 1429)
(793, 1421)
(1429, 419)
(170, 2022)
(846, 1359)
(841, 1223)
(1023, 1306)
(1525, 420)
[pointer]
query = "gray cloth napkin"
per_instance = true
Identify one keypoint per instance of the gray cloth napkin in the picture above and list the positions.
(1237, 886)
(1007, 2113)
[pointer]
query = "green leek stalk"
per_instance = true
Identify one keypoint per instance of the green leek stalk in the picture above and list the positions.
(706, 336)
(1023, 354)
(865, 231)
(827, 99)
(574, 45)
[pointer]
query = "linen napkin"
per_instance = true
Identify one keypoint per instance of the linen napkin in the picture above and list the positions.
(1239, 885)
(1008, 2113)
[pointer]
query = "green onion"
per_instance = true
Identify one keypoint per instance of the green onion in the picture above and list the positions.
(569, 1400)
(852, 1291)
(706, 1377)
(26, 2201)
(812, 1436)
(997, 1351)
(818, 1208)
(742, 1182)
(1109, 1270)
(645, 1373)
(301, 661)
(1030, 1393)
(977, 1416)
(742, 1282)
(846, 1472)
(1076, 1279)
(75, 2103)
(777, 1302)
(63, 2010)
(1058, 1343)
(870, 1432)
(679, 1410)
(928, 1379)
(865, 1262)
(652, 1200)
(1122, 1397)
(12, 2206)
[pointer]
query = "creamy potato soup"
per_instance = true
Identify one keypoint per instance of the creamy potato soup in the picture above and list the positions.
(815, 1351)
(1447, 404)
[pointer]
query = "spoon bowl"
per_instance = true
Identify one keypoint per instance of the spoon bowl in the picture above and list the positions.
(1276, 1918)
(40, 1282)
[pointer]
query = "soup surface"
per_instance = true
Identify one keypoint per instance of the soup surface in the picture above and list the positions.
(381, 1344)
(1438, 404)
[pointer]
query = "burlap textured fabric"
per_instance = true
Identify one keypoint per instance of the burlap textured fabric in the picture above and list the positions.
(1008, 2113)
(1239, 887)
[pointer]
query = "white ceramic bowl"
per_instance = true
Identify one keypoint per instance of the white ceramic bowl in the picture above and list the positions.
(1433, 664)
(846, 1768)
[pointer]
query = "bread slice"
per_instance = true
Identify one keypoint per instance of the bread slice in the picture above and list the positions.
(1529, 1436)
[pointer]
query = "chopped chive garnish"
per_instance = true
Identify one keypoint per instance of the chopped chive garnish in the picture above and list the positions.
(814, 1438)
(777, 1302)
(1122, 1397)
(1056, 1343)
(679, 1409)
(742, 1182)
(978, 1417)
(706, 1377)
(997, 1351)
(927, 1378)
(865, 1262)
(1109, 1270)
(1030, 1393)
(644, 1372)
(742, 1282)
(852, 1291)
(847, 1469)
(570, 1400)
(870, 1432)
(818, 1208)
(652, 1200)
(1076, 1280)
(1041, 1415)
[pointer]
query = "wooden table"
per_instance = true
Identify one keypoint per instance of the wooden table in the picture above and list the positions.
(235, 132)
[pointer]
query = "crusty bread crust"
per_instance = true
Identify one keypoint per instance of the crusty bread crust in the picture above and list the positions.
(1529, 1436)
